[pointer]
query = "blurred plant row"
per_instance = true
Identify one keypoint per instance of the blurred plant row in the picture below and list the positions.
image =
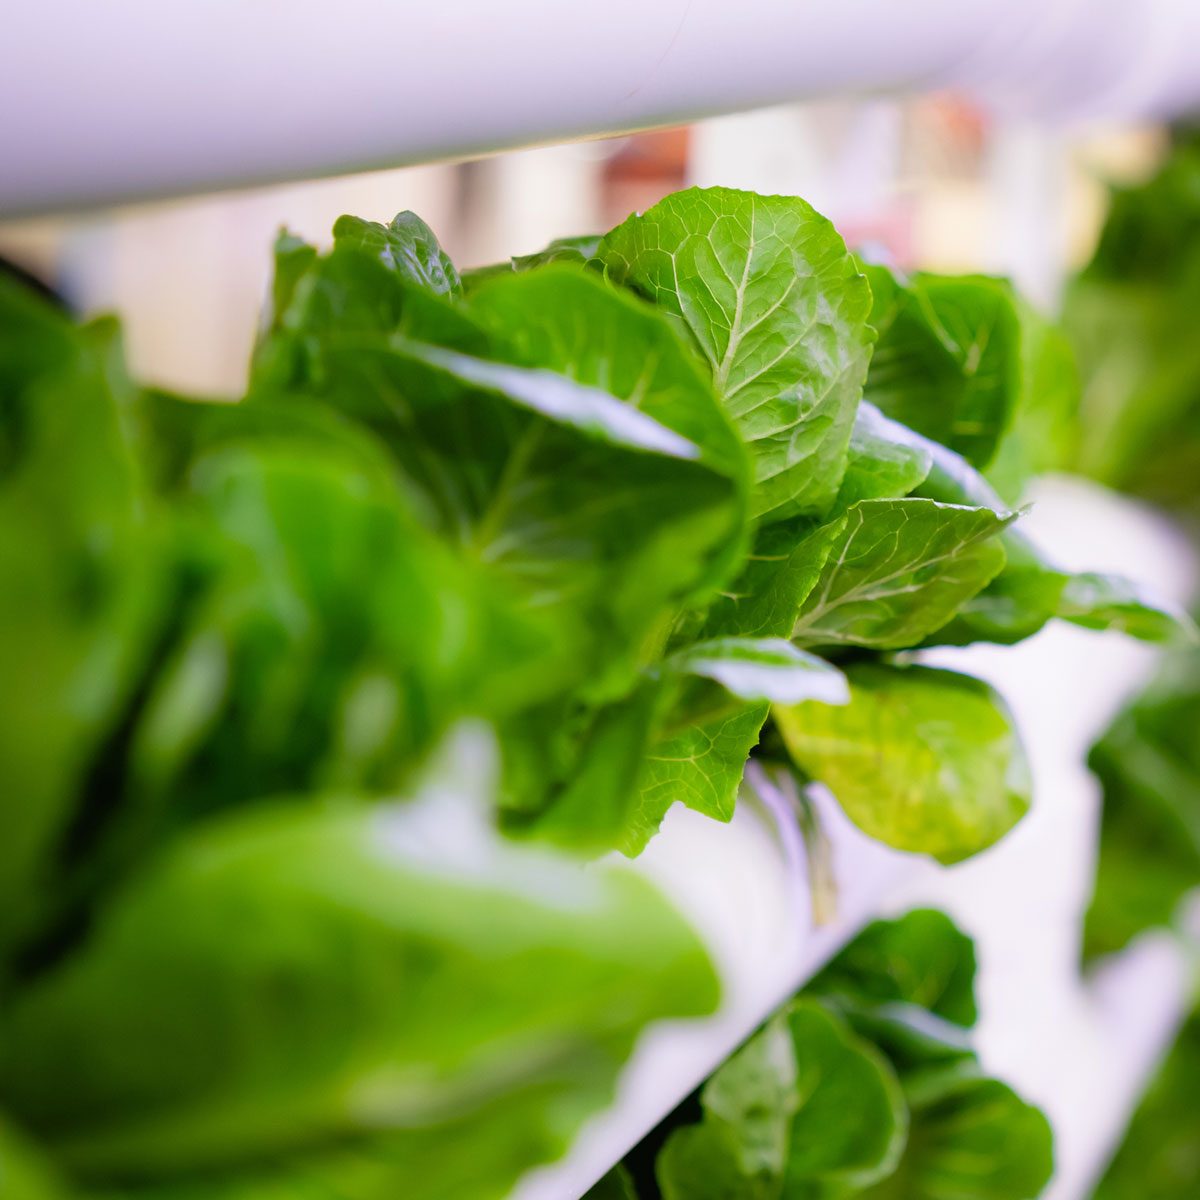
(1132, 315)
(618, 515)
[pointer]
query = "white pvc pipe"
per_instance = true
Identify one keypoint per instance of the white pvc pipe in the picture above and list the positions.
(1083, 60)
(137, 98)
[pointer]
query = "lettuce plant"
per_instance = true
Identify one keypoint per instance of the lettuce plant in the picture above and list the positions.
(798, 510)
(871, 536)
(864, 1085)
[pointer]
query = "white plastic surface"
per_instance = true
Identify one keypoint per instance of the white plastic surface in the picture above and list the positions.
(1083, 1053)
(136, 98)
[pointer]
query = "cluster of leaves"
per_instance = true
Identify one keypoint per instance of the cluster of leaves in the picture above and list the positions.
(870, 407)
(223, 973)
(864, 1085)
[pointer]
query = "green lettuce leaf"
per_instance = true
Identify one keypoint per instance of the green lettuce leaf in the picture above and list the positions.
(908, 987)
(82, 591)
(1114, 603)
(766, 292)
(785, 563)
(701, 1161)
(804, 1109)
(593, 795)
(921, 958)
(696, 759)
(572, 323)
(948, 360)
(172, 433)
(924, 760)
(886, 459)
(283, 668)
(1130, 316)
(562, 437)
(965, 364)
(713, 722)
(332, 985)
(292, 671)
(406, 245)
(1030, 590)
(362, 284)
(912, 1038)
(856, 1089)
(972, 1138)
(897, 570)
(1043, 432)
(1024, 595)
(1140, 420)
(293, 259)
